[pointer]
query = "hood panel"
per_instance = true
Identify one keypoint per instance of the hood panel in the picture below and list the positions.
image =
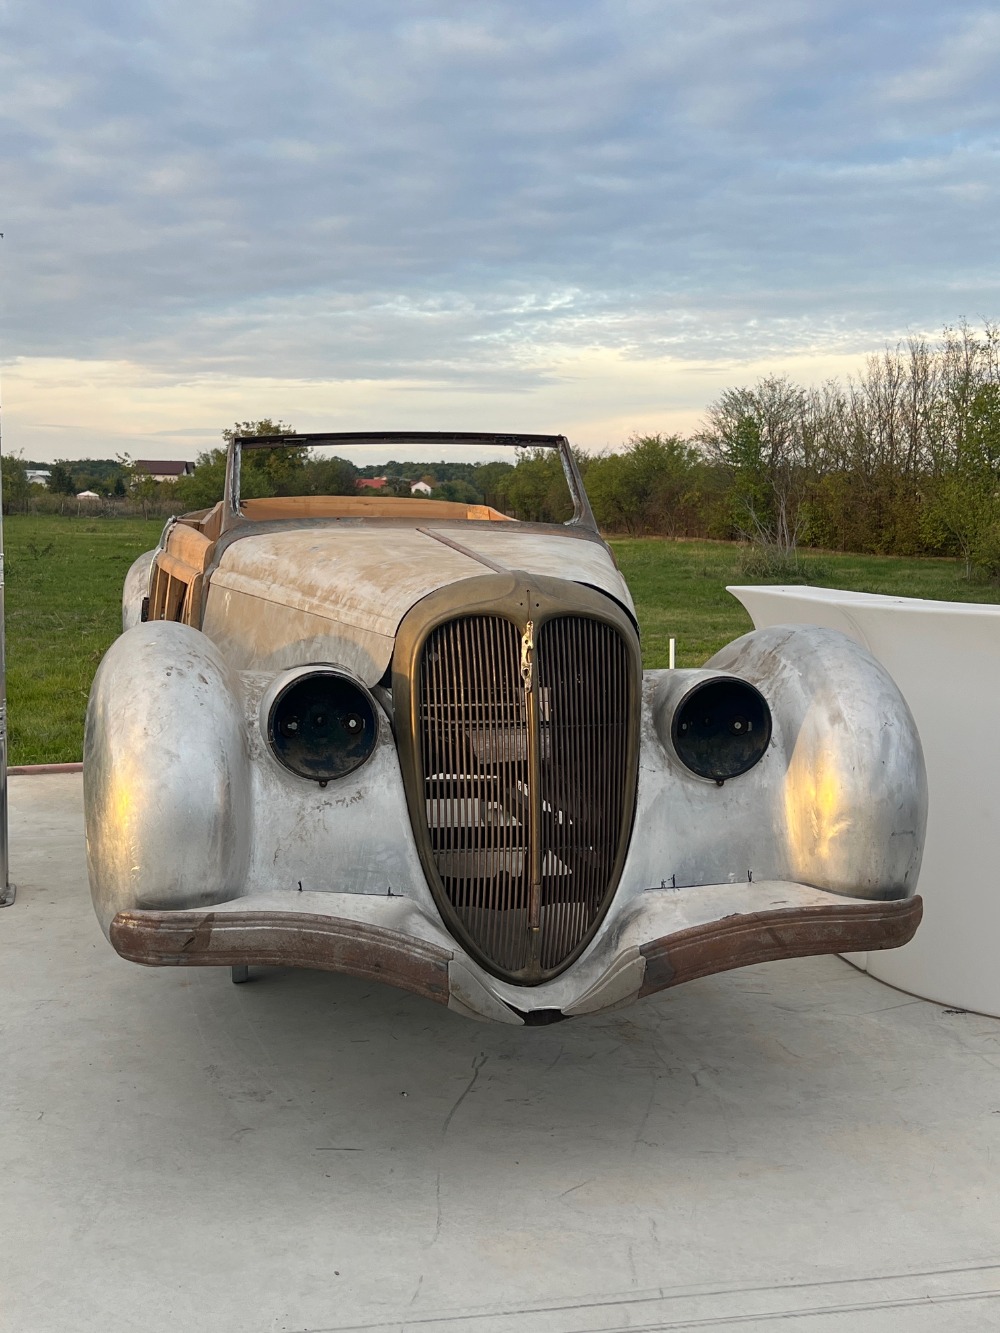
(315, 594)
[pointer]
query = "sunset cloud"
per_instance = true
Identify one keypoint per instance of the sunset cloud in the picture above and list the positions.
(499, 212)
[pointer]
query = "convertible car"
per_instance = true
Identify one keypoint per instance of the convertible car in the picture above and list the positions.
(411, 740)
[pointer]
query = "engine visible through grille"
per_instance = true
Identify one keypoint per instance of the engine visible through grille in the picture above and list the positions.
(527, 782)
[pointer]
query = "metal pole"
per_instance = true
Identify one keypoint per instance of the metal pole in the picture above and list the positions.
(7, 889)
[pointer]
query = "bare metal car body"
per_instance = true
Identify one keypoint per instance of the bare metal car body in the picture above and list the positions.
(412, 741)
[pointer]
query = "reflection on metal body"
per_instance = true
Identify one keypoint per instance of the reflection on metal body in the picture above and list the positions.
(527, 838)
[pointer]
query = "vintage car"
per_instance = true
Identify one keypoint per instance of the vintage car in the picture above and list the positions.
(411, 740)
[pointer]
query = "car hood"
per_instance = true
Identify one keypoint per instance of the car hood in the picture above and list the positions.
(278, 599)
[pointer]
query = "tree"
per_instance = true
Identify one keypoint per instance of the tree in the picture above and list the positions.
(281, 470)
(330, 476)
(535, 489)
(965, 497)
(765, 438)
(140, 485)
(61, 480)
(16, 487)
(613, 494)
(461, 492)
(489, 478)
(263, 472)
(146, 491)
(90, 481)
(204, 487)
(650, 486)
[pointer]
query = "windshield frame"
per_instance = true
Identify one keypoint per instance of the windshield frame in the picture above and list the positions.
(583, 516)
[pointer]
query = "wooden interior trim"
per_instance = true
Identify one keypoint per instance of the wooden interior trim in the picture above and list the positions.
(364, 506)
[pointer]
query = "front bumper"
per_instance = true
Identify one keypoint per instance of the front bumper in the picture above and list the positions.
(667, 937)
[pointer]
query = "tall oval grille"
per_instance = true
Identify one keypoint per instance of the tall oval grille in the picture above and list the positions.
(528, 782)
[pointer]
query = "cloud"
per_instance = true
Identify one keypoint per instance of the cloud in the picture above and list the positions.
(598, 397)
(952, 86)
(467, 195)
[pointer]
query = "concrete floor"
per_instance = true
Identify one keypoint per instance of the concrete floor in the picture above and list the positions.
(793, 1146)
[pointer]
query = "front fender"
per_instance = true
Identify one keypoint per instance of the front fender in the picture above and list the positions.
(166, 775)
(853, 799)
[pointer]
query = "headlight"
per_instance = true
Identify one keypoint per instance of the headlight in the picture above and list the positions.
(721, 728)
(322, 725)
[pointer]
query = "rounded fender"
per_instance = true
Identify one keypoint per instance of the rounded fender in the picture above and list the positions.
(135, 589)
(166, 774)
(854, 798)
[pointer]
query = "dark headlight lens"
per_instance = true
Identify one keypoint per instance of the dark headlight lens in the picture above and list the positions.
(721, 728)
(323, 725)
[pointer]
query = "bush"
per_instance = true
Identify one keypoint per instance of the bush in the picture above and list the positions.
(758, 563)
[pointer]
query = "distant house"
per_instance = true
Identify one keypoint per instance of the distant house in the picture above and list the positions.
(372, 483)
(37, 476)
(420, 488)
(162, 469)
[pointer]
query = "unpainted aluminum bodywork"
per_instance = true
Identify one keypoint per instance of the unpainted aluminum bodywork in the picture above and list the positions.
(188, 811)
(204, 849)
(287, 597)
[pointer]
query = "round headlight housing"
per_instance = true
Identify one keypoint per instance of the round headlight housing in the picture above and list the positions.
(721, 728)
(322, 725)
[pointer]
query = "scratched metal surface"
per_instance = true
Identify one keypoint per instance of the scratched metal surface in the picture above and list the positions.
(187, 807)
(274, 590)
(791, 1146)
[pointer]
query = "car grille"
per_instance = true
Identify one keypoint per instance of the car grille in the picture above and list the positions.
(527, 787)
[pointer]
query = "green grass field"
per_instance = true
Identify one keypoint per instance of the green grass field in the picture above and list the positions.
(680, 589)
(63, 604)
(63, 609)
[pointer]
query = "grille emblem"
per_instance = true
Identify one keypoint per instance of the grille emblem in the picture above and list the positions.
(528, 655)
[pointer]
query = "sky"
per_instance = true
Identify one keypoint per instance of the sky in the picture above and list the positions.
(577, 216)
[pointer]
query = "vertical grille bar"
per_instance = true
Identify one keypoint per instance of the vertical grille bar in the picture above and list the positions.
(482, 811)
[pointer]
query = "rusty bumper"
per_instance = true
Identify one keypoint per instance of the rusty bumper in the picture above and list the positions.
(376, 953)
(761, 937)
(284, 939)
